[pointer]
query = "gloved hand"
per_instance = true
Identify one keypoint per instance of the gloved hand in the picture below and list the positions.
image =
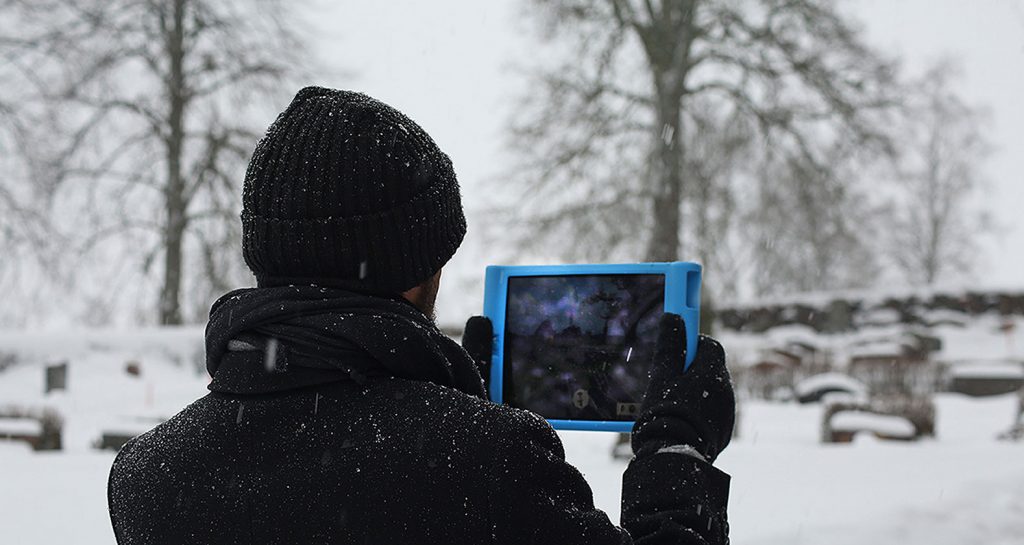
(478, 341)
(695, 408)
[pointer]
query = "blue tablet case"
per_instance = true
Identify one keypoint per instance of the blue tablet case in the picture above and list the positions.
(682, 296)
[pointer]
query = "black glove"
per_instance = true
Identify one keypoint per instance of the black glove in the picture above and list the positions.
(478, 341)
(696, 407)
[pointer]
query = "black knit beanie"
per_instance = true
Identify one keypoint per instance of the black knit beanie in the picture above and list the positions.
(345, 190)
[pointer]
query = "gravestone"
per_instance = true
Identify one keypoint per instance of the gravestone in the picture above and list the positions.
(56, 377)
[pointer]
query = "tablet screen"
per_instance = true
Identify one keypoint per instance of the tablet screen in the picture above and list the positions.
(579, 347)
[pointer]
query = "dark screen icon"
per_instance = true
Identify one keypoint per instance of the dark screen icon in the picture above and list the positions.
(581, 398)
(627, 409)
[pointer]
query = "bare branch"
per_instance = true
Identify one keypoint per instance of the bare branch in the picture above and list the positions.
(137, 95)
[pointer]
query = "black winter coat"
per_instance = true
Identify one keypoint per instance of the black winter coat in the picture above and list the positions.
(309, 456)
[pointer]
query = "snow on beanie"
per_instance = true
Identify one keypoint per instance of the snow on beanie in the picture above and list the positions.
(346, 190)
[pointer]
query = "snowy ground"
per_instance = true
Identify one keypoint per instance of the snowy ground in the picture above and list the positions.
(963, 487)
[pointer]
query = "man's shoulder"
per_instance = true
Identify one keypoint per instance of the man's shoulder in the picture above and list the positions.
(146, 462)
(522, 424)
(484, 409)
(503, 426)
(176, 433)
(477, 416)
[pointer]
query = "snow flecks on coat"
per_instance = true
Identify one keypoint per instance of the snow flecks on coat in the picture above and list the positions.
(388, 460)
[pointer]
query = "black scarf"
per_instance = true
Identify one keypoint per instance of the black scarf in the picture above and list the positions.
(320, 328)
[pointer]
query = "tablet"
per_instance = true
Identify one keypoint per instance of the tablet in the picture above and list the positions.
(574, 343)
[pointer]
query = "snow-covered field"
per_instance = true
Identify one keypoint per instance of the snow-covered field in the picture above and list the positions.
(963, 487)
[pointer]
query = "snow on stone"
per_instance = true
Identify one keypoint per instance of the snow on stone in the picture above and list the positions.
(829, 381)
(881, 349)
(893, 426)
(20, 426)
(943, 316)
(881, 316)
(1007, 370)
(797, 333)
(844, 397)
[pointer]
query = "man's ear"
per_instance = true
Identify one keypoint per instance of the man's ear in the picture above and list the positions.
(424, 295)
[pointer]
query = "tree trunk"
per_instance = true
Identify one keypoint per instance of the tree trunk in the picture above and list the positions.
(668, 191)
(174, 188)
(667, 201)
(667, 44)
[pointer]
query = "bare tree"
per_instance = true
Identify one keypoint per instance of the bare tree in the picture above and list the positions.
(935, 229)
(17, 217)
(712, 199)
(27, 240)
(152, 104)
(654, 107)
(812, 228)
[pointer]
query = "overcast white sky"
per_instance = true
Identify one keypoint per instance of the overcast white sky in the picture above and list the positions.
(446, 63)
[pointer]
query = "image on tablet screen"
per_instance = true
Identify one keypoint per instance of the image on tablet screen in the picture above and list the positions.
(579, 347)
